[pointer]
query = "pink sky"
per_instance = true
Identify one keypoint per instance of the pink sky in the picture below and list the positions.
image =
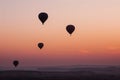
(95, 40)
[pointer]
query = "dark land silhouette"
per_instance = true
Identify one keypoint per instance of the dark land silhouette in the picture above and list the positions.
(74, 73)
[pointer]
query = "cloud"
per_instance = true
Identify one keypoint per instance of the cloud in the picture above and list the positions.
(84, 51)
(112, 48)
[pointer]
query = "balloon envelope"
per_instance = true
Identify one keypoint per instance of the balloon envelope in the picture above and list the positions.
(40, 45)
(43, 17)
(70, 29)
(15, 63)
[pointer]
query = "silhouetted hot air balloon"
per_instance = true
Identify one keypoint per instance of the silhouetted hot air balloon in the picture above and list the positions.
(70, 29)
(15, 63)
(43, 17)
(40, 45)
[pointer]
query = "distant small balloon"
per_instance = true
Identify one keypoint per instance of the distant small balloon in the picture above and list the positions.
(40, 45)
(43, 16)
(70, 29)
(15, 63)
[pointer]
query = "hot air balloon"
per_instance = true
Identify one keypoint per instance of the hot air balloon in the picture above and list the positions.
(15, 63)
(40, 45)
(70, 29)
(43, 17)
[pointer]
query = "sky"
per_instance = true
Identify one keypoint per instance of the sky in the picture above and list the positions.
(95, 40)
